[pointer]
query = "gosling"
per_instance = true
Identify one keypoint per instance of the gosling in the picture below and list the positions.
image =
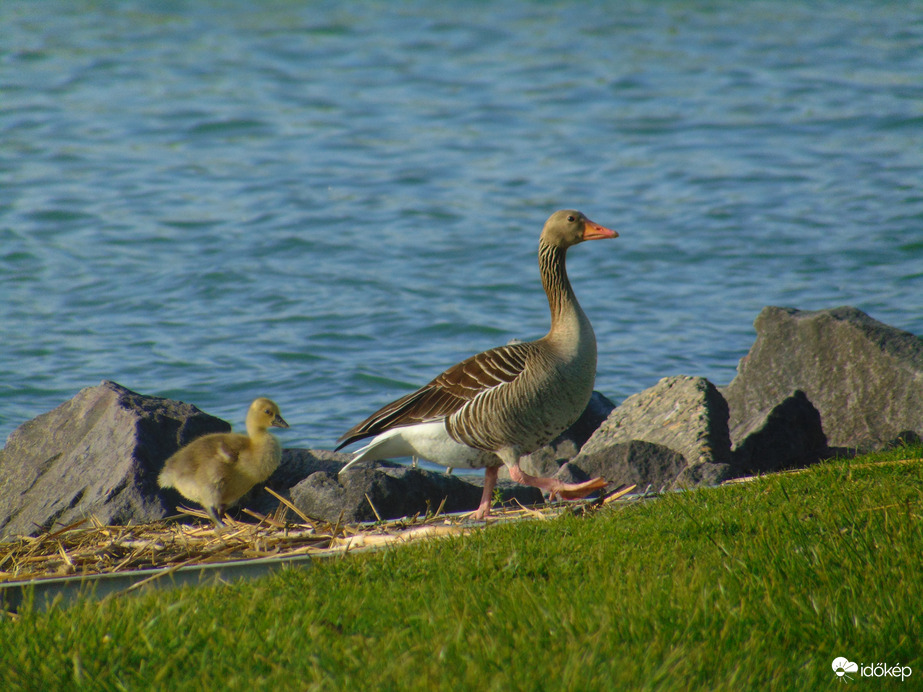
(217, 470)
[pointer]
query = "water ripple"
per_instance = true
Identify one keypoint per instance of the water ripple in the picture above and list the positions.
(330, 204)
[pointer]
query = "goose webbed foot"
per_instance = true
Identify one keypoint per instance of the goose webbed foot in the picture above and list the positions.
(576, 491)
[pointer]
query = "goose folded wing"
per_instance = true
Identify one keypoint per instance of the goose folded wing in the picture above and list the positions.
(447, 393)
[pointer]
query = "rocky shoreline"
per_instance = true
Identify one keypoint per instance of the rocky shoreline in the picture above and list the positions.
(814, 385)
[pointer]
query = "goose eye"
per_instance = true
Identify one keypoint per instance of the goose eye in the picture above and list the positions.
(571, 218)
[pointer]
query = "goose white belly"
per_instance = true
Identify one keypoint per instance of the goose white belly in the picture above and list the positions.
(430, 441)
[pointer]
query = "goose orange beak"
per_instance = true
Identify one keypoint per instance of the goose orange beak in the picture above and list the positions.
(593, 231)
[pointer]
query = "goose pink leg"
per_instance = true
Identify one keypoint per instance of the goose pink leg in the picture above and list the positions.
(556, 488)
(490, 482)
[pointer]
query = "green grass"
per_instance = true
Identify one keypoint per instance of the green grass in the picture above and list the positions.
(752, 586)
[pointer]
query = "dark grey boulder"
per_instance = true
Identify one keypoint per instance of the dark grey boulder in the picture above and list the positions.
(298, 464)
(864, 377)
(507, 492)
(705, 474)
(904, 438)
(627, 463)
(685, 414)
(394, 490)
(788, 436)
(98, 454)
(294, 467)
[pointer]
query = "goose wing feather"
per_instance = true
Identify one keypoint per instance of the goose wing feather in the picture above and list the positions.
(449, 392)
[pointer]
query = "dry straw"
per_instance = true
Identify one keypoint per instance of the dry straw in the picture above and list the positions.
(88, 547)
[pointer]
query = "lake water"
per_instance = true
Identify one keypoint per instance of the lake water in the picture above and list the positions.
(329, 203)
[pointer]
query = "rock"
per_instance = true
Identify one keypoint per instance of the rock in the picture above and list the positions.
(705, 474)
(627, 463)
(905, 438)
(97, 454)
(394, 490)
(547, 460)
(295, 466)
(789, 436)
(685, 414)
(864, 377)
(298, 464)
(508, 492)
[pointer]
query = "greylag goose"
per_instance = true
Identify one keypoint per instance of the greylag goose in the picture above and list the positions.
(503, 403)
(217, 470)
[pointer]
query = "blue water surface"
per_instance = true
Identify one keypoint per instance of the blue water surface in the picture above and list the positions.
(329, 203)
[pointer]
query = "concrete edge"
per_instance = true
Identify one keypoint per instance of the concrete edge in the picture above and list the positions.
(55, 592)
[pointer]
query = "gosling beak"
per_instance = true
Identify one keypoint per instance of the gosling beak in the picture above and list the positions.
(593, 231)
(279, 422)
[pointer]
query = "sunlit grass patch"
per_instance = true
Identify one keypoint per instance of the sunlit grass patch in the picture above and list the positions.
(755, 585)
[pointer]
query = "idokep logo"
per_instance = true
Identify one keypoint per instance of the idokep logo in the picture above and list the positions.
(843, 666)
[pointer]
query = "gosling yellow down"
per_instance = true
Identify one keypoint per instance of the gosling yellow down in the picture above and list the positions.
(217, 470)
